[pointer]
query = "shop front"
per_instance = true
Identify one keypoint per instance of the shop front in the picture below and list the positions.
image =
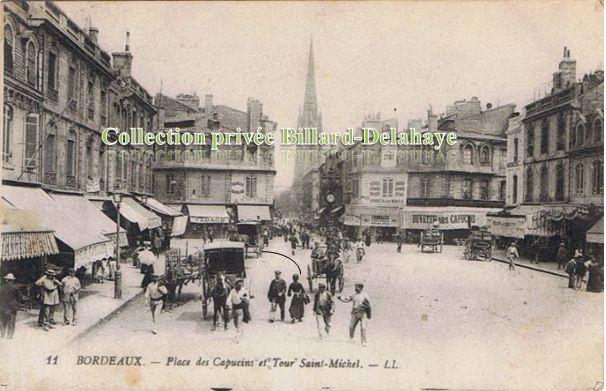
(455, 222)
(379, 222)
(595, 240)
(205, 220)
(173, 221)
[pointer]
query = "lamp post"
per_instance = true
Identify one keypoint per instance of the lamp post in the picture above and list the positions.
(117, 197)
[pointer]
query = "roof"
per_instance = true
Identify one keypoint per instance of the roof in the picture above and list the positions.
(232, 118)
(224, 244)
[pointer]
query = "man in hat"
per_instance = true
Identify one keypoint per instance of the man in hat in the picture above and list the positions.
(9, 305)
(155, 293)
(323, 310)
(562, 256)
(570, 269)
(512, 253)
(49, 287)
(360, 311)
(71, 291)
(276, 296)
(238, 301)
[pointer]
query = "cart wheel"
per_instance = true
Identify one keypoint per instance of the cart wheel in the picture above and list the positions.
(310, 279)
(341, 283)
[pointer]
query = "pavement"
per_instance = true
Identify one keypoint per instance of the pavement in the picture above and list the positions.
(545, 267)
(442, 321)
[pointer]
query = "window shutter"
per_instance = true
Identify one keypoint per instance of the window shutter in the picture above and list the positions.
(70, 157)
(31, 140)
(49, 153)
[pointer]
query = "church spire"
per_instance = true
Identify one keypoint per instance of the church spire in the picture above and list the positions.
(309, 116)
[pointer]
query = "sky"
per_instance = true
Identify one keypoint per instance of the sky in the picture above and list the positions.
(396, 58)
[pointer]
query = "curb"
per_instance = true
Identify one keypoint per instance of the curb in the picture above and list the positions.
(538, 269)
(104, 318)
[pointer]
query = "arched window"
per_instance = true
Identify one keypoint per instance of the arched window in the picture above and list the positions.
(597, 177)
(485, 155)
(516, 153)
(9, 48)
(580, 134)
(468, 154)
(579, 176)
(544, 184)
(598, 128)
(514, 191)
(529, 184)
(561, 140)
(559, 190)
(6, 134)
(31, 68)
(545, 136)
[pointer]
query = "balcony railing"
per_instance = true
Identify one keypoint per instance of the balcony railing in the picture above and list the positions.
(71, 181)
(445, 201)
(50, 178)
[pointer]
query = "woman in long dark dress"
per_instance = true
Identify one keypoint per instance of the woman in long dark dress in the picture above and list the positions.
(297, 304)
(595, 276)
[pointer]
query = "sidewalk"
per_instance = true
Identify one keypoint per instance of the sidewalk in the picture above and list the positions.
(545, 267)
(96, 303)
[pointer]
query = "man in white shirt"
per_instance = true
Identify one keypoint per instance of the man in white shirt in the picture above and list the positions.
(360, 311)
(71, 291)
(512, 253)
(154, 294)
(238, 300)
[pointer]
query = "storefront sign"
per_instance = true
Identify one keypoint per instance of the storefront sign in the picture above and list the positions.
(237, 188)
(509, 227)
(445, 220)
(209, 220)
(370, 219)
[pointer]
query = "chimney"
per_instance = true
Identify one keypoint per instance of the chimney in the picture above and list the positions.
(208, 103)
(123, 61)
(93, 33)
(568, 70)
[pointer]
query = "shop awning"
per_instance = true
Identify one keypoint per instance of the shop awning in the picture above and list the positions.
(85, 241)
(179, 225)
(159, 207)
(87, 212)
(253, 213)
(207, 214)
(135, 213)
(595, 234)
(22, 238)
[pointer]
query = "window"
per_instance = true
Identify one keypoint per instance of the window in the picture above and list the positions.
(204, 185)
(71, 86)
(467, 187)
(597, 130)
(251, 186)
(52, 71)
(425, 187)
(49, 150)
(559, 190)
(530, 141)
(103, 105)
(580, 134)
(529, 185)
(484, 189)
(89, 159)
(31, 141)
(355, 187)
(514, 191)
(544, 184)
(171, 184)
(561, 139)
(468, 154)
(545, 136)
(597, 177)
(387, 187)
(30, 63)
(133, 174)
(70, 154)
(6, 133)
(502, 190)
(579, 175)
(9, 48)
(141, 175)
(91, 97)
(485, 155)
(516, 146)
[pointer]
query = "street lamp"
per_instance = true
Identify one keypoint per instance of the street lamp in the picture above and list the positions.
(117, 198)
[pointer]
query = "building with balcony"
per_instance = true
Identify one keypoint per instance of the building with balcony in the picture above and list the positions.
(234, 183)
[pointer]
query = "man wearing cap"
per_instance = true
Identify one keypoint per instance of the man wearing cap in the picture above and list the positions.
(71, 291)
(154, 293)
(238, 301)
(276, 296)
(49, 287)
(360, 312)
(512, 253)
(9, 305)
(323, 310)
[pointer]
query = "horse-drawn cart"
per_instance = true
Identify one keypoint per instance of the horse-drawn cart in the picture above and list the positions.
(321, 267)
(433, 239)
(249, 232)
(479, 245)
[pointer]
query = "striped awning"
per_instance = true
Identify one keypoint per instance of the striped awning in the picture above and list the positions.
(19, 244)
